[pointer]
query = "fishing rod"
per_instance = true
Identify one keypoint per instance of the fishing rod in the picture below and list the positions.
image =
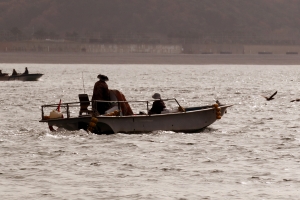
(83, 83)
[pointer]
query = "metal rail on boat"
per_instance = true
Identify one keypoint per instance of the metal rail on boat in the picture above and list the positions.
(69, 105)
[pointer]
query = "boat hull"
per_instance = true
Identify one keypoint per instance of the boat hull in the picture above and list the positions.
(21, 77)
(189, 121)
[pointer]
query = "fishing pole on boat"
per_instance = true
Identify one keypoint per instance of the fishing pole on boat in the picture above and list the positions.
(83, 83)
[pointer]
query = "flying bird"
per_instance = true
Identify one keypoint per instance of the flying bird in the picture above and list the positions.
(295, 100)
(271, 97)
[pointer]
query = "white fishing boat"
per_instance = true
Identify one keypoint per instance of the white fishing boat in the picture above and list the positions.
(116, 120)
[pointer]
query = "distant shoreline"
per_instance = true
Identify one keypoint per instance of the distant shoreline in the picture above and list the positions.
(145, 58)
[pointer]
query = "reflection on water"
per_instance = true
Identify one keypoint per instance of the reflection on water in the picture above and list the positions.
(251, 153)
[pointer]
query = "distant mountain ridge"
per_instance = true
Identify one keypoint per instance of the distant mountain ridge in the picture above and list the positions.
(169, 18)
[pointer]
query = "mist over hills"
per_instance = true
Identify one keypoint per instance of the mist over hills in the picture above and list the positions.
(152, 18)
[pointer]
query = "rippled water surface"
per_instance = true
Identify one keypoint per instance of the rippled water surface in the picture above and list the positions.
(253, 152)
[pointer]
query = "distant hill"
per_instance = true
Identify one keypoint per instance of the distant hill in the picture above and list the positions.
(151, 18)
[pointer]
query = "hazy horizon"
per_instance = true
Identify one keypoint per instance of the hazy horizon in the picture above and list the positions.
(150, 20)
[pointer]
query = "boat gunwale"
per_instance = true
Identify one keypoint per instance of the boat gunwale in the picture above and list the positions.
(210, 107)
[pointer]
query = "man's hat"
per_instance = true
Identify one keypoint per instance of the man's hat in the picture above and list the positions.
(156, 96)
(102, 77)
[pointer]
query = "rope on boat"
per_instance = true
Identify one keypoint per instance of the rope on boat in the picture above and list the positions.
(92, 124)
(114, 113)
(218, 111)
(181, 109)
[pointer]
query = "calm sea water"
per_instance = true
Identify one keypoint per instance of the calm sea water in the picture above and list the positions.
(253, 152)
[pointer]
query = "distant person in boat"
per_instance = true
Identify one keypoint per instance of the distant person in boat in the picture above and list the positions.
(3, 74)
(158, 105)
(101, 92)
(14, 72)
(26, 71)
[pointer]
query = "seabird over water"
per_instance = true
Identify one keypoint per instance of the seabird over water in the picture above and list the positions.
(271, 97)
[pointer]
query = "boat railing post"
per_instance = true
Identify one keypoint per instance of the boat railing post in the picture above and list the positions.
(147, 106)
(68, 111)
(42, 112)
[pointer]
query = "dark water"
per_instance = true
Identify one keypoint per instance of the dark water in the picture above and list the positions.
(251, 153)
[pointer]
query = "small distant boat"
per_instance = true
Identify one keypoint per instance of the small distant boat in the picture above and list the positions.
(20, 77)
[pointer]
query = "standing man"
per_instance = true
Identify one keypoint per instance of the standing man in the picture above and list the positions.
(101, 92)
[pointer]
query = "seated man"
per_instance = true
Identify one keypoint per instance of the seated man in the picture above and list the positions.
(158, 105)
(26, 71)
(3, 74)
(14, 72)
